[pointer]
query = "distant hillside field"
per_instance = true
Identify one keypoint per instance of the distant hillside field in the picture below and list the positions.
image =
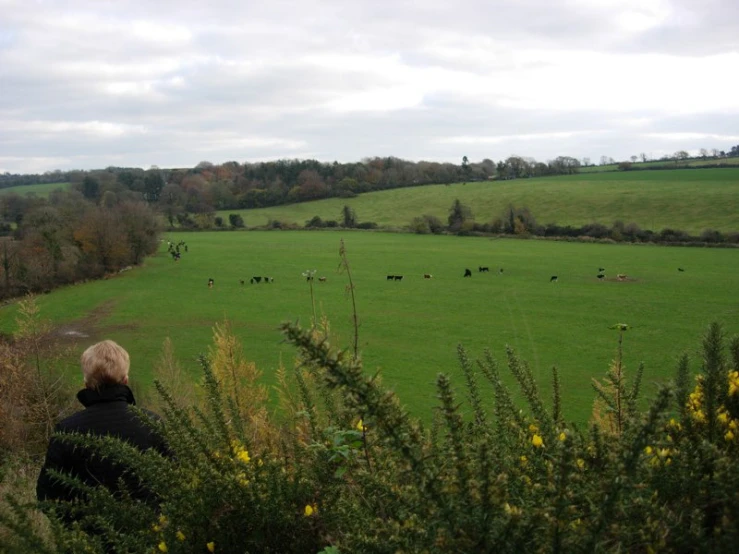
(696, 162)
(689, 199)
(38, 190)
(410, 328)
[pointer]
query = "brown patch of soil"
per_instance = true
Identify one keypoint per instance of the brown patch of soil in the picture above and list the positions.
(88, 327)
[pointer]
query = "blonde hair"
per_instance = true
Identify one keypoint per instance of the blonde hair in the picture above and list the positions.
(104, 363)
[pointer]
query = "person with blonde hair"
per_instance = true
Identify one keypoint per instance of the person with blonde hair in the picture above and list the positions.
(107, 400)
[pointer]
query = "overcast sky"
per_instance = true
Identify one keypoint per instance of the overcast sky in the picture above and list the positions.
(90, 84)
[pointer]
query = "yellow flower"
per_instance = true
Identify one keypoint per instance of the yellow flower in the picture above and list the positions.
(733, 425)
(580, 463)
(533, 428)
(211, 546)
(699, 416)
(156, 528)
(180, 536)
(243, 456)
(162, 546)
(723, 417)
(648, 450)
(524, 461)
(310, 510)
(162, 519)
(562, 437)
(729, 436)
(360, 426)
(511, 510)
(537, 441)
(663, 452)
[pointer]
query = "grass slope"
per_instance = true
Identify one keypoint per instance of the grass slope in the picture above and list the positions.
(691, 200)
(410, 329)
(696, 162)
(39, 190)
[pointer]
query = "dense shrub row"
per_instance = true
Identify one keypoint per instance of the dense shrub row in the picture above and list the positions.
(343, 468)
(521, 222)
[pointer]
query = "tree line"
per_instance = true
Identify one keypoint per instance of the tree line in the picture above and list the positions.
(209, 187)
(519, 221)
(45, 243)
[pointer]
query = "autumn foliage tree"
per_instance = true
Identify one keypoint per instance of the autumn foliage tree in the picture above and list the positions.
(68, 238)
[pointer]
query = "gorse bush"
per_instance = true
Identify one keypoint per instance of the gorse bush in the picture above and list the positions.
(342, 467)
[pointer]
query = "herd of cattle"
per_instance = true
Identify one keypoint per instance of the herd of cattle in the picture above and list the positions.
(467, 273)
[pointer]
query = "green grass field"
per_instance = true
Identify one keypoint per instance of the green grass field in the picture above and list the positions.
(695, 162)
(39, 190)
(691, 200)
(410, 329)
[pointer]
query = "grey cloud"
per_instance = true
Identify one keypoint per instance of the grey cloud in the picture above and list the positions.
(270, 73)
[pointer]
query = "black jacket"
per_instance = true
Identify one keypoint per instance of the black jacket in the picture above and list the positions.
(107, 412)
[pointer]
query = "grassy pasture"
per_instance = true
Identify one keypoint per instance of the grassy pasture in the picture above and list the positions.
(410, 329)
(691, 200)
(695, 162)
(39, 190)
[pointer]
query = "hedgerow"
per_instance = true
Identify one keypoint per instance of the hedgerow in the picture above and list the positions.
(342, 467)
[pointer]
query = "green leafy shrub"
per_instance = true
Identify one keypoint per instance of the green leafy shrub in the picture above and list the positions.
(342, 467)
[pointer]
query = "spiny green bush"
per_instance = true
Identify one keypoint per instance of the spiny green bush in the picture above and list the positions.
(344, 468)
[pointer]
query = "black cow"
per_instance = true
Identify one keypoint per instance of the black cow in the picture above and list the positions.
(553, 279)
(601, 269)
(467, 273)
(601, 276)
(268, 279)
(211, 282)
(680, 269)
(242, 282)
(398, 277)
(255, 280)
(427, 276)
(501, 271)
(482, 269)
(390, 277)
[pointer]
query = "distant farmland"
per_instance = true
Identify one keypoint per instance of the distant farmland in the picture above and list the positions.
(38, 190)
(410, 328)
(689, 199)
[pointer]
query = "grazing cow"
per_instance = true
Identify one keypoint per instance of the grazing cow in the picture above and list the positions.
(553, 279)
(427, 276)
(321, 279)
(211, 282)
(467, 273)
(390, 277)
(681, 269)
(268, 279)
(601, 269)
(482, 269)
(601, 276)
(242, 282)
(621, 276)
(398, 277)
(501, 271)
(255, 280)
